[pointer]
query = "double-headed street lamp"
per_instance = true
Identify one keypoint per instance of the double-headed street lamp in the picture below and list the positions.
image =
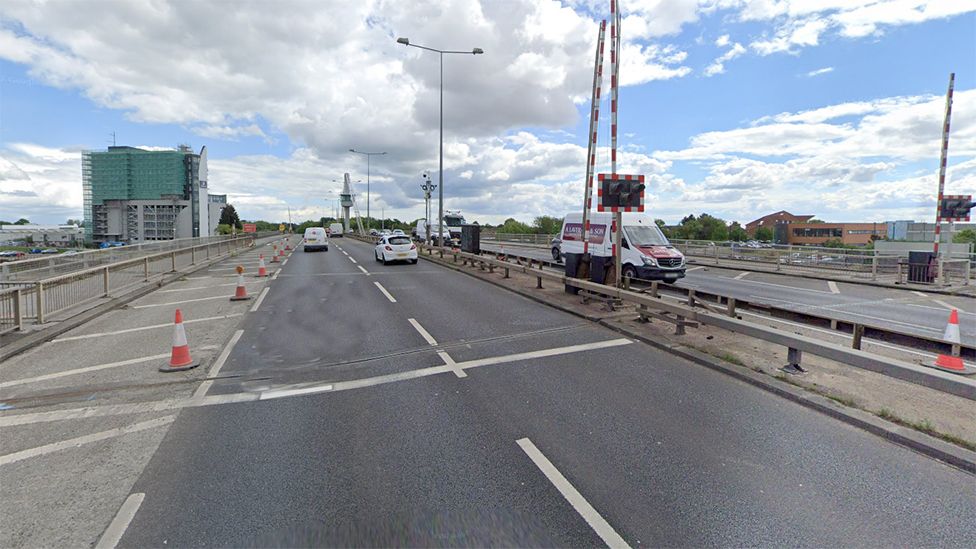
(440, 192)
(368, 155)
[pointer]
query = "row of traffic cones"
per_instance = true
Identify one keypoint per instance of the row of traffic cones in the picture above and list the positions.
(180, 359)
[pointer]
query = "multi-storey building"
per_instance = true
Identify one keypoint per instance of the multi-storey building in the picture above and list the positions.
(135, 195)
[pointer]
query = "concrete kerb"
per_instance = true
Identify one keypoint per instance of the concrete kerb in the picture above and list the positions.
(933, 447)
(813, 276)
(27, 342)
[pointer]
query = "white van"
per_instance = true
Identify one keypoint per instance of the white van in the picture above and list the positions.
(335, 230)
(645, 254)
(315, 239)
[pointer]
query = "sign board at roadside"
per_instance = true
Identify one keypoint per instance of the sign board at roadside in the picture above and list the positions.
(281, 228)
(250, 228)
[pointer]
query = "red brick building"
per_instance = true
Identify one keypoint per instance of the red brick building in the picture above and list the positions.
(770, 221)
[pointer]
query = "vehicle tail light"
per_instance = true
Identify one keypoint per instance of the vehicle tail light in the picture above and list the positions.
(387, 248)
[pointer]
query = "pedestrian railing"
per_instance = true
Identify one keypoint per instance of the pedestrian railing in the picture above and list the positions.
(36, 268)
(37, 300)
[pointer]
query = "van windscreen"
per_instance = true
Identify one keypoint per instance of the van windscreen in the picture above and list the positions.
(643, 235)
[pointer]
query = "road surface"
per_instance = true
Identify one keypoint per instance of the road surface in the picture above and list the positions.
(412, 405)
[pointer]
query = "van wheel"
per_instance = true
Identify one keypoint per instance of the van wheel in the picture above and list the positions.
(413, 261)
(629, 271)
(376, 256)
(555, 255)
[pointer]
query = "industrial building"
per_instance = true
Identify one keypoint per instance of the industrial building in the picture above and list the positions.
(136, 195)
(797, 230)
(46, 235)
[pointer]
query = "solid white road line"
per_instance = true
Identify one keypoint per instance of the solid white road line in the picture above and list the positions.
(572, 495)
(833, 287)
(544, 353)
(449, 362)
(178, 302)
(365, 272)
(259, 300)
(281, 393)
(206, 287)
(75, 442)
(128, 330)
(416, 326)
(212, 400)
(694, 268)
(218, 364)
(386, 293)
(944, 304)
(916, 292)
(121, 521)
(87, 369)
(741, 275)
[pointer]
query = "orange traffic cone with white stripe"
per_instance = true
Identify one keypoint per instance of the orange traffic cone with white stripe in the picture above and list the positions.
(180, 358)
(281, 251)
(951, 363)
(262, 270)
(274, 254)
(288, 245)
(240, 294)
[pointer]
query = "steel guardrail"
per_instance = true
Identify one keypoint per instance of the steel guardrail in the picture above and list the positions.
(796, 344)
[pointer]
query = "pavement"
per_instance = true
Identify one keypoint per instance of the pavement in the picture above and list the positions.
(913, 312)
(356, 403)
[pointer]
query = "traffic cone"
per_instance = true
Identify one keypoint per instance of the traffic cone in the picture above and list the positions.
(180, 359)
(288, 245)
(241, 293)
(950, 363)
(281, 252)
(274, 254)
(262, 270)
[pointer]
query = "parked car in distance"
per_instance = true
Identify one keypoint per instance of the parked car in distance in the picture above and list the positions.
(395, 247)
(556, 246)
(35, 251)
(49, 251)
(315, 239)
(110, 244)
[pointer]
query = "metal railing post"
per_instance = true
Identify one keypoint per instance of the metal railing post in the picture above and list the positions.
(730, 306)
(105, 281)
(874, 266)
(18, 310)
(172, 256)
(858, 330)
(39, 302)
(193, 255)
(145, 269)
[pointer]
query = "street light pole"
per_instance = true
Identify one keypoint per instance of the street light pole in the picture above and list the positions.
(440, 178)
(368, 155)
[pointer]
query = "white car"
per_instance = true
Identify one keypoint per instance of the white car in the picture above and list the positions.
(395, 248)
(315, 239)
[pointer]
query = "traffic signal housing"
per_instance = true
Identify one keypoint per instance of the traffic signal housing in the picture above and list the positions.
(956, 207)
(620, 193)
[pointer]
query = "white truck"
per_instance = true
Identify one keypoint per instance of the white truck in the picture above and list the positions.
(335, 230)
(452, 228)
(645, 254)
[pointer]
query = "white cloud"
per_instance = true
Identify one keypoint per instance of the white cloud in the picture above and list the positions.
(819, 72)
(718, 66)
(40, 183)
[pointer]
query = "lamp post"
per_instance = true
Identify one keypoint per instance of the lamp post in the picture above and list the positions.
(368, 156)
(440, 192)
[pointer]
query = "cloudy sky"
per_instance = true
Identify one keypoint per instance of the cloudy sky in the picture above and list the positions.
(737, 108)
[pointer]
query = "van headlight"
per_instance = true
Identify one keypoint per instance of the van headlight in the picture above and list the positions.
(649, 261)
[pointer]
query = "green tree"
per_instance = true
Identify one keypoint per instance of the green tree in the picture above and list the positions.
(763, 233)
(833, 243)
(512, 226)
(22, 221)
(737, 233)
(78, 222)
(965, 236)
(816, 221)
(223, 229)
(547, 224)
(228, 216)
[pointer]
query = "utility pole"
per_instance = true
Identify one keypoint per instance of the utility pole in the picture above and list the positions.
(614, 85)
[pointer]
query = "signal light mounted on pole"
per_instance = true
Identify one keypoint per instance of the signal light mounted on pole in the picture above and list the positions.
(620, 193)
(956, 207)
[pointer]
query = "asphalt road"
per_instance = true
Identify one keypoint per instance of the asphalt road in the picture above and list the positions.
(904, 310)
(390, 445)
